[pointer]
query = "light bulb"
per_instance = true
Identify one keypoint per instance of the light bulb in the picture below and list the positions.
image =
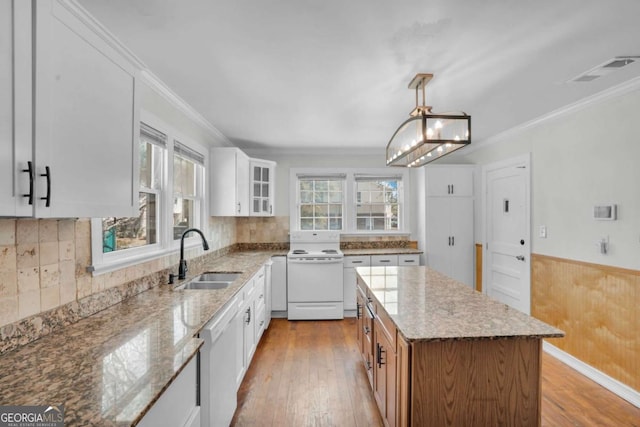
(429, 133)
(399, 153)
(438, 124)
(448, 145)
(406, 148)
(457, 138)
(414, 143)
(440, 149)
(429, 154)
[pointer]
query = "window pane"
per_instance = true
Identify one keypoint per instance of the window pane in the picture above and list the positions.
(125, 233)
(306, 224)
(306, 211)
(265, 175)
(321, 210)
(321, 197)
(184, 176)
(321, 224)
(321, 186)
(150, 165)
(256, 190)
(306, 185)
(306, 196)
(256, 173)
(335, 186)
(335, 210)
(335, 223)
(335, 197)
(183, 216)
(265, 190)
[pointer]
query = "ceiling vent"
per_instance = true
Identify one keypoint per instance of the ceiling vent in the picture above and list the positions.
(605, 68)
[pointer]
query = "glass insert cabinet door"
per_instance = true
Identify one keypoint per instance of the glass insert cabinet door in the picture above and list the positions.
(262, 188)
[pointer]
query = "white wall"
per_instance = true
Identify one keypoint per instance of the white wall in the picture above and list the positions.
(585, 157)
(320, 159)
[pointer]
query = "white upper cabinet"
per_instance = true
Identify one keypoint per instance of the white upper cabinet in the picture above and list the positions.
(262, 178)
(85, 122)
(240, 186)
(449, 180)
(229, 176)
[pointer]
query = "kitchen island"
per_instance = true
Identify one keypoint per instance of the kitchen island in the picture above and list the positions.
(439, 353)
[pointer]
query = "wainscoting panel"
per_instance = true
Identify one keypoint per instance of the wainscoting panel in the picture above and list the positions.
(597, 307)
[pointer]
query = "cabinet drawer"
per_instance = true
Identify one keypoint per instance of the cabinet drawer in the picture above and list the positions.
(384, 260)
(357, 261)
(409, 259)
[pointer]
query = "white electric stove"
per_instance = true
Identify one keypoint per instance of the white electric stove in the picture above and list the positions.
(314, 276)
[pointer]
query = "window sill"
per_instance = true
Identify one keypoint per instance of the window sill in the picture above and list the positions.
(125, 261)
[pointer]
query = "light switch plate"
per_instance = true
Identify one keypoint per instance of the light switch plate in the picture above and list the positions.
(542, 232)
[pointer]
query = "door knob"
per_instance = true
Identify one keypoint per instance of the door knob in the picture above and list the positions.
(520, 257)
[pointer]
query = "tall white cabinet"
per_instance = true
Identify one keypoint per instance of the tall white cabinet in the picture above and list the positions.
(68, 115)
(449, 239)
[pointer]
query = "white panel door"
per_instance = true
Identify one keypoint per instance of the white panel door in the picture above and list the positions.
(508, 267)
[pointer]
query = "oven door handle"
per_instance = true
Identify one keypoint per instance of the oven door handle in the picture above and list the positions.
(314, 260)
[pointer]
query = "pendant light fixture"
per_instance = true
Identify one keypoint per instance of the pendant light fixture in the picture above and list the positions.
(425, 136)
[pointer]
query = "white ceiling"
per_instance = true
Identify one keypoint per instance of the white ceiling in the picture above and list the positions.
(333, 73)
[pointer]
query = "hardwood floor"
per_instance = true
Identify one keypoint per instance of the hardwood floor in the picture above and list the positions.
(309, 373)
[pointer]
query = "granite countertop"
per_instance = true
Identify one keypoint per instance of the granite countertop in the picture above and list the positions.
(110, 368)
(381, 251)
(426, 306)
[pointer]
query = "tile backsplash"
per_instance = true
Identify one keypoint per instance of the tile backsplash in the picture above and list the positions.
(43, 264)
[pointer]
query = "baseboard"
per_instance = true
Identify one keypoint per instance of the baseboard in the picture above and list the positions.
(624, 391)
(279, 314)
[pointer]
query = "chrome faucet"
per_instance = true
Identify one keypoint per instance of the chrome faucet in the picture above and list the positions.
(182, 268)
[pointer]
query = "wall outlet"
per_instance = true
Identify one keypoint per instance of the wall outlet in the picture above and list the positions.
(542, 232)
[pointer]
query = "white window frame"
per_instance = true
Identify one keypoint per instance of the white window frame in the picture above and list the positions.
(349, 197)
(111, 261)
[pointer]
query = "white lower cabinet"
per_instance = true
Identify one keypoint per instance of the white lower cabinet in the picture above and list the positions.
(349, 279)
(177, 405)
(351, 262)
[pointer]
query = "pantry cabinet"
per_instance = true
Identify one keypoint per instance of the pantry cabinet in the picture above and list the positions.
(449, 238)
(449, 180)
(74, 149)
(262, 185)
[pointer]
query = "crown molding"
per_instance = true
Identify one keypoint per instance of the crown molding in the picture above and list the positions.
(174, 99)
(316, 151)
(605, 95)
(147, 75)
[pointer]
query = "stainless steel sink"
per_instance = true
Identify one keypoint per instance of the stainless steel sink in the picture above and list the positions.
(218, 277)
(211, 280)
(195, 284)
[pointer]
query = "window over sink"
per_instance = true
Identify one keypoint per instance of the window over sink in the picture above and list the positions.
(171, 196)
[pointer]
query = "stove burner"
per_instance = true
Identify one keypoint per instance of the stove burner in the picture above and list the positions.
(299, 252)
(329, 251)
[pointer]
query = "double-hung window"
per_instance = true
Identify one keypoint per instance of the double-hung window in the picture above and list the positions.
(142, 230)
(378, 203)
(320, 202)
(188, 191)
(349, 200)
(171, 196)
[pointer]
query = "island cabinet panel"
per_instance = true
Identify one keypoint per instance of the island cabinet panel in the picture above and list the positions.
(403, 382)
(476, 382)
